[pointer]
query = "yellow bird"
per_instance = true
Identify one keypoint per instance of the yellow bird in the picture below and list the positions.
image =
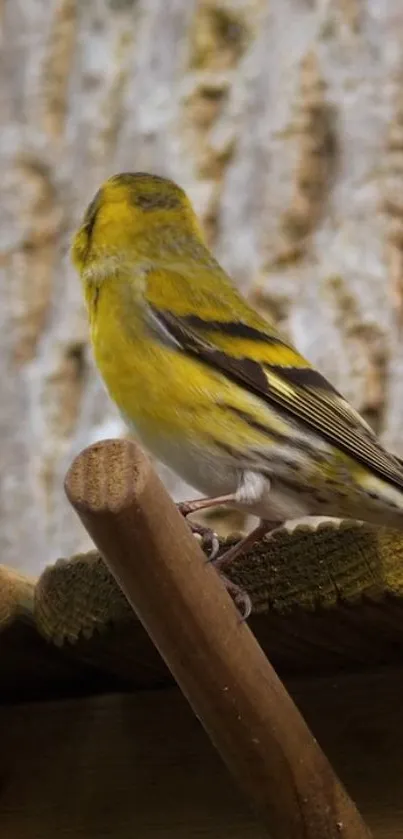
(210, 386)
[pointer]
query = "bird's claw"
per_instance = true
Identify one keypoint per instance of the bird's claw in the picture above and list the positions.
(210, 544)
(209, 540)
(240, 597)
(214, 546)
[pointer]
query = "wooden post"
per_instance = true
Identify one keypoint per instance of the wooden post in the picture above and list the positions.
(214, 657)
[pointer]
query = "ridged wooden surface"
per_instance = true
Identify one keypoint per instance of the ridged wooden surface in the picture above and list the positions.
(327, 600)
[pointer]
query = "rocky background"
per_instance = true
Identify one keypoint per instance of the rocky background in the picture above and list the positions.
(284, 121)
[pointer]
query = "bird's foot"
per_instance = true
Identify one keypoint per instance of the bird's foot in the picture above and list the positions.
(240, 597)
(211, 546)
(208, 538)
(209, 541)
(228, 557)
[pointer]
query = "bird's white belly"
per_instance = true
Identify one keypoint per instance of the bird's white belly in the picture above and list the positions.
(213, 475)
(210, 474)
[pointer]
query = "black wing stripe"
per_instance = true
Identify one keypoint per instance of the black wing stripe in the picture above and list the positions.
(242, 368)
(316, 415)
(303, 377)
(275, 436)
(235, 329)
(354, 443)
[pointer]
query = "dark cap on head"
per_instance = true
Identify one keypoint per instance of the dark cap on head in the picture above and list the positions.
(150, 192)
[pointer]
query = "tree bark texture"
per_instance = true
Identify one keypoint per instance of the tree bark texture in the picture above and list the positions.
(283, 119)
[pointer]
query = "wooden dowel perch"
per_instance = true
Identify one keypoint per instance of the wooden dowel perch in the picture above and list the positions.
(214, 657)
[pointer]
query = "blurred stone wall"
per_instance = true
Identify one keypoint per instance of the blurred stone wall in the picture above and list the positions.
(284, 121)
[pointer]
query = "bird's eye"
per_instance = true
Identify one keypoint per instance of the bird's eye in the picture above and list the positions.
(91, 213)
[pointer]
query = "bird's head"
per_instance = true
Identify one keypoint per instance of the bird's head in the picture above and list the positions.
(128, 217)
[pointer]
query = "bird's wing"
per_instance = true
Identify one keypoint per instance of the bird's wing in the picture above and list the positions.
(261, 362)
